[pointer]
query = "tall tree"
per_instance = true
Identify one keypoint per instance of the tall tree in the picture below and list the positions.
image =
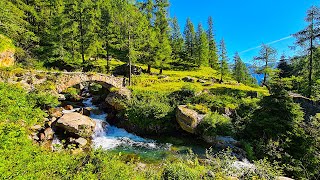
(190, 40)
(284, 67)
(213, 50)
(307, 38)
(202, 47)
(176, 40)
(240, 71)
(224, 68)
(150, 49)
(163, 53)
(266, 58)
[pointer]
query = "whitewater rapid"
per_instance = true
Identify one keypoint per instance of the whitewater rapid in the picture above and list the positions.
(110, 137)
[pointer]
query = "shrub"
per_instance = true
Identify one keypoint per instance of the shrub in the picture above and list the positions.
(215, 124)
(179, 171)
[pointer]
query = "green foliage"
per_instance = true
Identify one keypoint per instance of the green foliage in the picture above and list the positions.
(180, 171)
(224, 68)
(150, 112)
(215, 124)
(17, 106)
(6, 44)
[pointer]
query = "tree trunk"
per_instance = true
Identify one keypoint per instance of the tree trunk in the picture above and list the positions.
(149, 69)
(310, 61)
(129, 56)
(160, 71)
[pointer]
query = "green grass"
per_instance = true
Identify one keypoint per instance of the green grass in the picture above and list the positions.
(6, 44)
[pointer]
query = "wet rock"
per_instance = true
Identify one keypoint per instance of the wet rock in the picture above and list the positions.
(188, 79)
(114, 99)
(48, 132)
(188, 119)
(68, 107)
(85, 111)
(76, 124)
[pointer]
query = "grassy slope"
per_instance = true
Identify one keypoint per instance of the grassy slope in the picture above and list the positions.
(6, 44)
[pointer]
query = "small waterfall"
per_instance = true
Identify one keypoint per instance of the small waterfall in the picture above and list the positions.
(110, 137)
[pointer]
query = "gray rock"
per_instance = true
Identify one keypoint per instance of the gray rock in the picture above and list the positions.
(188, 119)
(48, 132)
(114, 98)
(188, 79)
(36, 127)
(61, 97)
(201, 81)
(77, 124)
(81, 142)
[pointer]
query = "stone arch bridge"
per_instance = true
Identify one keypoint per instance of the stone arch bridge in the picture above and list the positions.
(62, 80)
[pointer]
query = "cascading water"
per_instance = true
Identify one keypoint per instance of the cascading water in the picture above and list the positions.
(110, 137)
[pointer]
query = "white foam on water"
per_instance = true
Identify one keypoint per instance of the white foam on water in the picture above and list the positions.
(110, 137)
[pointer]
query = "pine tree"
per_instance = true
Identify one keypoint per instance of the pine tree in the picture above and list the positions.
(266, 58)
(308, 38)
(240, 71)
(163, 53)
(190, 40)
(150, 48)
(202, 47)
(284, 67)
(213, 50)
(224, 68)
(176, 40)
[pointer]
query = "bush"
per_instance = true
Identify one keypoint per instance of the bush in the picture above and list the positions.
(179, 171)
(150, 112)
(215, 124)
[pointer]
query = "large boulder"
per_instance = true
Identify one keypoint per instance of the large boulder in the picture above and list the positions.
(76, 124)
(115, 98)
(188, 119)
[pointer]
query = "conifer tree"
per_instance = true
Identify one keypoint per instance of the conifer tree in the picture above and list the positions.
(241, 72)
(307, 38)
(202, 47)
(265, 59)
(176, 40)
(190, 41)
(163, 53)
(213, 50)
(284, 67)
(224, 68)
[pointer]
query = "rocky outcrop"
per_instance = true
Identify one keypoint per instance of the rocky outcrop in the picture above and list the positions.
(309, 107)
(188, 79)
(76, 124)
(114, 99)
(188, 119)
(7, 58)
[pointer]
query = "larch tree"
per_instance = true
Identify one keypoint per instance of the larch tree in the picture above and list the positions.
(163, 53)
(189, 41)
(176, 40)
(202, 47)
(240, 71)
(148, 8)
(265, 60)
(308, 39)
(224, 67)
(213, 50)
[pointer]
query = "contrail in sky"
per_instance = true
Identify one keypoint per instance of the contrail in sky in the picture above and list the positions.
(273, 42)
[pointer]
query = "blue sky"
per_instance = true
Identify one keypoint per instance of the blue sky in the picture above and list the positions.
(245, 24)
